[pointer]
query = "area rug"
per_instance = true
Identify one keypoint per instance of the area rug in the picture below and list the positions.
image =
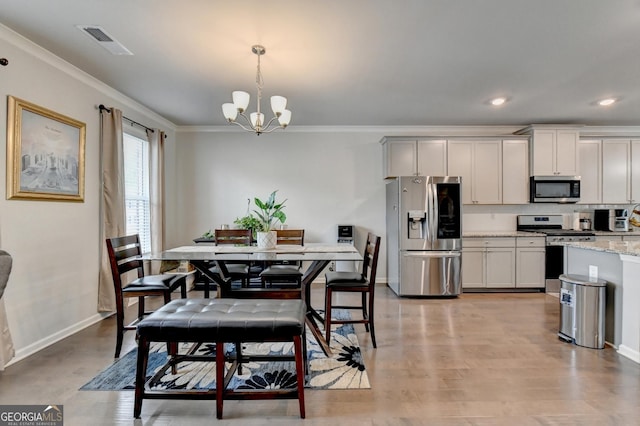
(343, 370)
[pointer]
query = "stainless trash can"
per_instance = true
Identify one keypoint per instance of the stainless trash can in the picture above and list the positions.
(582, 310)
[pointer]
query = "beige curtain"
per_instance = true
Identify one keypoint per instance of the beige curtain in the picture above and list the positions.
(112, 207)
(6, 343)
(156, 191)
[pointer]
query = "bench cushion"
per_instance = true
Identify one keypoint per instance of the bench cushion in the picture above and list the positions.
(229, 320)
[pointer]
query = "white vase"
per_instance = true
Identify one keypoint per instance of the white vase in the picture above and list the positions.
(267, 240)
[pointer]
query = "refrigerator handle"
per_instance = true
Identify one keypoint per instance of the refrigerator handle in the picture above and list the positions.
(433, 213)
(431, 253)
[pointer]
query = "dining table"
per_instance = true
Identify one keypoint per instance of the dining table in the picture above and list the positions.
(315, 257)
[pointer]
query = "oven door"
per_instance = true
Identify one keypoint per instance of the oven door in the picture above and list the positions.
(554, 267)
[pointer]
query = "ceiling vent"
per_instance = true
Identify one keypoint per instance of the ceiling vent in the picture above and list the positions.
(100, 36)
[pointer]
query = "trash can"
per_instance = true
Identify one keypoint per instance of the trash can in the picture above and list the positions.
(582, 310)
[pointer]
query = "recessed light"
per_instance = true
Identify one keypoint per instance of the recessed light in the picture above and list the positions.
(606, 102)
(498, 101)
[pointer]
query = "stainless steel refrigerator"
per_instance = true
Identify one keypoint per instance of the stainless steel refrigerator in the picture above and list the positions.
(424, 235)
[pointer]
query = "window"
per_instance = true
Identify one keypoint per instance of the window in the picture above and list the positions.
(136, 189)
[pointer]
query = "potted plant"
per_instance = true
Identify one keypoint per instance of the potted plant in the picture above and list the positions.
(249, 222)
(268, 213)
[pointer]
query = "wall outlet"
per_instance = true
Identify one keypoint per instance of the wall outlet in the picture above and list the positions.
(593, 273)
(332, 266)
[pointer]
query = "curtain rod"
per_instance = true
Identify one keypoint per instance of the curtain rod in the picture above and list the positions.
(102, 107)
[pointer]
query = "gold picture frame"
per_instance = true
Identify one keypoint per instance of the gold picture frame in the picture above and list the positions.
(45, 154)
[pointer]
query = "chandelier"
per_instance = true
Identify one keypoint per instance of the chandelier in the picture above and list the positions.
(255, 121)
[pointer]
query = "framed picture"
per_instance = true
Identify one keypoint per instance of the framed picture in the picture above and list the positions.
(45, 154)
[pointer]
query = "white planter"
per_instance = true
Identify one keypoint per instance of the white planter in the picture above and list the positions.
(267, 240)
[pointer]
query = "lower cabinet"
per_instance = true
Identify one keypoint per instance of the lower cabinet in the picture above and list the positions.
(530, 262)
(503, 263)
(488, 263)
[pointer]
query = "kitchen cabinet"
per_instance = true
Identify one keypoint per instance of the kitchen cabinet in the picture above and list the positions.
(553, 150)
(488, 262)
(590, 171)
(479, 162)
(414, 157)
(530, 262)
(616, 171)
(515, 172)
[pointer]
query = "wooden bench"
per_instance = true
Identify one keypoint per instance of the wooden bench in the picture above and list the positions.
(222, 321)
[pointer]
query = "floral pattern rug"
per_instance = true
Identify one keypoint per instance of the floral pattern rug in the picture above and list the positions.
(343, 370)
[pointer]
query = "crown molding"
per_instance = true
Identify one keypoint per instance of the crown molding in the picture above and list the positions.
(380, 130)
(44, 55)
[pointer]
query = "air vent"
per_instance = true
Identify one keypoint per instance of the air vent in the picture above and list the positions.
(100, 36)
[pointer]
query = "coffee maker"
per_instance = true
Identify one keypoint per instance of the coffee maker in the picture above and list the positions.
(621, 221)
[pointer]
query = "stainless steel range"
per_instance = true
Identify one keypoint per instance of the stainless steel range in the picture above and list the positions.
(551, 226)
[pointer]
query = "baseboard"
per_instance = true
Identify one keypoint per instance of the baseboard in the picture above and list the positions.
(54, 338)
(632, 354)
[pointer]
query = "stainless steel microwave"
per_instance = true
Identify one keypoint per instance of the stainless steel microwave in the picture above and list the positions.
(554, 189)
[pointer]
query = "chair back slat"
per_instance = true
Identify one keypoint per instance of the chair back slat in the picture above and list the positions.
(290, 237)
(233, 236)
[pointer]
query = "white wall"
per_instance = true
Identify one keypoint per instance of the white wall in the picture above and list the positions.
(328, 179)
(52, 291)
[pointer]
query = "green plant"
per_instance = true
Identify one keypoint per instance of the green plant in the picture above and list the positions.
(249, 222)
(269, 212)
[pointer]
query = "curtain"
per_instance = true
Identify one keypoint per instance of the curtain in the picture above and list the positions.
(6, 343)
(156, 192)
(112, 209)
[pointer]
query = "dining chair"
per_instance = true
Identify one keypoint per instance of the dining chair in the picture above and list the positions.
(124, 256)
(354, 282)
(284, 272)
(237, 271)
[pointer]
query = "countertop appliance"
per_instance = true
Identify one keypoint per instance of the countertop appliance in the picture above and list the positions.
(554, 189)
(551, 226)
(424, 235)
(621, 221)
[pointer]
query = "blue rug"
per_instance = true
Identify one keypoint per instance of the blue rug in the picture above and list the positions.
(343, 370)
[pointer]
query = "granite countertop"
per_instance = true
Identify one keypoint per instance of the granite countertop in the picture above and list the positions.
(631, 248)
(499, 234)
(615, 233)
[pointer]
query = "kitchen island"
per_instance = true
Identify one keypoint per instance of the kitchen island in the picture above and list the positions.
(617, 262)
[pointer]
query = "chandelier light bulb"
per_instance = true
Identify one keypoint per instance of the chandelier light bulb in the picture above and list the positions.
(278, 104)
(285, 118)
(241, 100)
(230, 112)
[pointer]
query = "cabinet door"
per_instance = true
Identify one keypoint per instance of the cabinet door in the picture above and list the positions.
(460, 163)
(616, 156)
(473, 268)
(487, 172)
(515, 172)
(400, 158)
(530, 268)
(635, 171)
(432, 158)
(543, 152)
(566, 152)
(590, 172)
(500, 264)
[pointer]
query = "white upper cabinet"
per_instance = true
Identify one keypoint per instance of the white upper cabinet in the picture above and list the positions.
(635, 171)
(590, 171)
(554, 151)
(479, 162)
(414, 157)
(616, 171)
(432, 158)
(515, 172)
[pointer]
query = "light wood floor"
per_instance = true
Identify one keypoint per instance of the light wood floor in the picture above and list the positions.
(480, 359)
